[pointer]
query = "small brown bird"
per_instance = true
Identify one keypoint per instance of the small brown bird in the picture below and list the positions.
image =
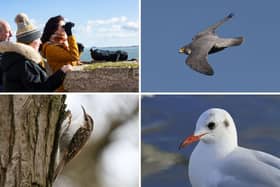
(207, 42)
(77, 142)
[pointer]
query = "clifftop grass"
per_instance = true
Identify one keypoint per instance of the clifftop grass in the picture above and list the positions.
(120, 64)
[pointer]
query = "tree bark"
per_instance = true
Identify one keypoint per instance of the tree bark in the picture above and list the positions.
(29, 131)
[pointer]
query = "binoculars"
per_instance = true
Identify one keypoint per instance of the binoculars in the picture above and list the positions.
(68, 23)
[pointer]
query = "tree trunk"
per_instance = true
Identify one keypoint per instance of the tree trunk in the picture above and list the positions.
(29, 129)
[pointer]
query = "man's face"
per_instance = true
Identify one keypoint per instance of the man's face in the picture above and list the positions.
(5, 32)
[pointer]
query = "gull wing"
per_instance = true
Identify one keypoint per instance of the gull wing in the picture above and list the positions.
(247, 168)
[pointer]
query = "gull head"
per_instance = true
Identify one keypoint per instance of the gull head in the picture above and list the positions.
(214, 126)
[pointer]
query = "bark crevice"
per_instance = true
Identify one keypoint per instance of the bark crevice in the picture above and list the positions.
(29, 131)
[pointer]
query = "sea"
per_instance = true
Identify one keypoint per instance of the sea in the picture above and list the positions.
(166, 120)
(133, 52)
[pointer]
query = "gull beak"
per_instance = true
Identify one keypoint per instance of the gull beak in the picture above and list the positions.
(191, 139)
(182, 50)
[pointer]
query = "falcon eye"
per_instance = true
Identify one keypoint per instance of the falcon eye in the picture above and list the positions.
(211, 125)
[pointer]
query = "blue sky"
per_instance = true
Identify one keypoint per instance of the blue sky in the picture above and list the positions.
(97, 23)
(168, 25)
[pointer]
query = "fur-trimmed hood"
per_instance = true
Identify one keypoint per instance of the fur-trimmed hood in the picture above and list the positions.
(25, 50)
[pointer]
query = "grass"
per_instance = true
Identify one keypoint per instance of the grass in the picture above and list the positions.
(121, 64)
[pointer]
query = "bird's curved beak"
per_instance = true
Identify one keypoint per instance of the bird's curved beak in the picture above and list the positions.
(84, 111)
(191, 139)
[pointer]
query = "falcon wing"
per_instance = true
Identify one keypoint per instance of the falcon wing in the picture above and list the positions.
(197, 60)
(212, 28)
(228, 42)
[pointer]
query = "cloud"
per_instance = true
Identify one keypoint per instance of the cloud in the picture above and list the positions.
(113, 20)
(132, 26)
(115, 31)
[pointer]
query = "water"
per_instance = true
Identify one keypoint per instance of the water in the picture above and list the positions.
(133, 52)
(167, 120)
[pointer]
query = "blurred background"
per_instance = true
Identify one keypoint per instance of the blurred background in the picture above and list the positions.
(168, 119)
(111, 157)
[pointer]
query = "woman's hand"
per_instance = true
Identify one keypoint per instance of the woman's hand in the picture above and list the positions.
(68, 28)
(67, 68)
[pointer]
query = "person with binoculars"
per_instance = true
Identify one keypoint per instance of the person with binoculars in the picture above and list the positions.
(59, 46)
(21, 63)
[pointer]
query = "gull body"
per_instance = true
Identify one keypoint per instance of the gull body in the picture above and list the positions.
(218, 161)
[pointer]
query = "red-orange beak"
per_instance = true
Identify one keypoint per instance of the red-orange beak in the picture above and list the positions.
(190, 140)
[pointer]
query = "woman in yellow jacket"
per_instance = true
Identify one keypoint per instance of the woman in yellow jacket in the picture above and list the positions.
(59, 46)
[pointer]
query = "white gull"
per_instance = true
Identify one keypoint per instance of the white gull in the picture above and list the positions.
(218, 161)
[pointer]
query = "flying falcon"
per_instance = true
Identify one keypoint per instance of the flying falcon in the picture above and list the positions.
(207, 42)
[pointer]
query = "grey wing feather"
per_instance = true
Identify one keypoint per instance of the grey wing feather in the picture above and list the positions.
(248, 168)
(197, 60)
(199, 64)
(213, 27)
(232, 182)
(268, 159)
(228, 42)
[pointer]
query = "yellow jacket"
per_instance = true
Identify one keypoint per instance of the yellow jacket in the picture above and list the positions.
(58, 55)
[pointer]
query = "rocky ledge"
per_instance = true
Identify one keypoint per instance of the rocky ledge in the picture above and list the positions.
(104, 77)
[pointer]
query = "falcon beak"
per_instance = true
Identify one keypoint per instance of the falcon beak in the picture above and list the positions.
(182, 50)
(191, 139)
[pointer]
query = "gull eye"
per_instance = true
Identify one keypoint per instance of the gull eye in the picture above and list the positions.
(211, 125)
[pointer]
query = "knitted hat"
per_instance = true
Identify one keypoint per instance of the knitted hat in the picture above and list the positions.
(26, 31)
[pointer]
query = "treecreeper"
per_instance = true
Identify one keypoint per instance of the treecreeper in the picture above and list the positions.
(77, 142)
